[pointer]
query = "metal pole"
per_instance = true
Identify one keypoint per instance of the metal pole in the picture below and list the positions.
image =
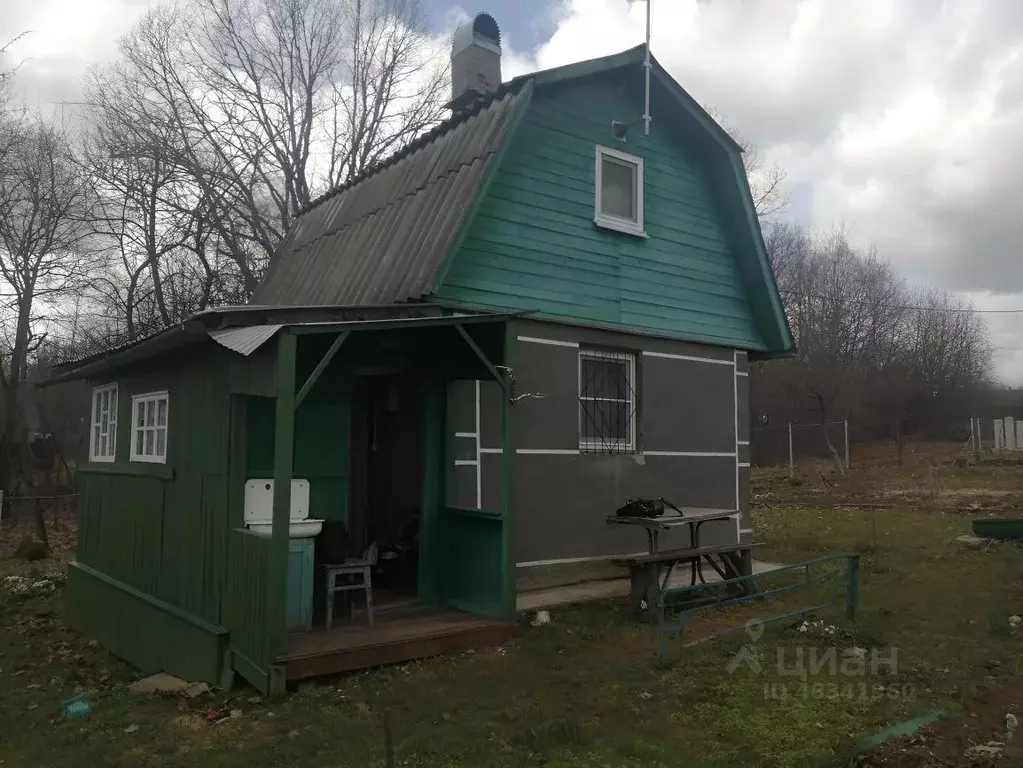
(792, 462)
(852, 595)
(847, 443)
(646, 64)
(975, 434)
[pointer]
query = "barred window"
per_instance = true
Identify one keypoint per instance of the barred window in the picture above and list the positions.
(607, 401)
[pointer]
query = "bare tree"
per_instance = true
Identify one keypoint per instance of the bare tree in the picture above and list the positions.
(766, 179)
(44, 204)
(868, 345)
(270, 101)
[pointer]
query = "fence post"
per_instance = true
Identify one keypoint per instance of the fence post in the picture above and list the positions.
(852, 595)
(792, 461)
(975, 434)
(846, 443)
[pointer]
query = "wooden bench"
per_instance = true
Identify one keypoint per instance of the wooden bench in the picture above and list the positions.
(730, 561)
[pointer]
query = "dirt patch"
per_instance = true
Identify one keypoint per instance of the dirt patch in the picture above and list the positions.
(976, 738)
(61, 527)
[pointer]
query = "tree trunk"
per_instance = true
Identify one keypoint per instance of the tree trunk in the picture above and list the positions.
(898, 441)
(40, 526)
(13, 422)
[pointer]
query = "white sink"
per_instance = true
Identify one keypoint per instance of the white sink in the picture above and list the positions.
(298, 529)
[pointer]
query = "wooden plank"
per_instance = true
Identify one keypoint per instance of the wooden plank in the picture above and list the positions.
(174, 611)
(320, 367)
(378, 650)
(135, 469)
(684, 554)
(482, 357)
(284, 450)
(251, 671)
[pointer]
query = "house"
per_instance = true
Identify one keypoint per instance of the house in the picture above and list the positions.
(528, 315)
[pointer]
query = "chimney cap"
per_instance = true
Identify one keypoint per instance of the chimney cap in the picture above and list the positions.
(482, 30)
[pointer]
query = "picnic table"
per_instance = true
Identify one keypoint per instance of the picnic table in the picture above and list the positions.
(649, 573)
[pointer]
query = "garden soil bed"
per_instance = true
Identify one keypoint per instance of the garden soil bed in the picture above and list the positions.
(973, 739)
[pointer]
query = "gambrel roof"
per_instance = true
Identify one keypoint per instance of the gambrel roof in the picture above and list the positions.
(389, 235)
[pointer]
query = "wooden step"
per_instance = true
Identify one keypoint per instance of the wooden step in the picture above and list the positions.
(350, 648)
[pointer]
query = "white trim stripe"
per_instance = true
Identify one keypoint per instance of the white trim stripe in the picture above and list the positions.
(744, 442)
(466, 434)
(570, 560)
(742, 373)
(735, 419)
(691, 358)
(744, 464)
(548, 451)
(576, 451)
(479, 463)
(549, 342)
(692, 454)
(466, 462)
(745, 530)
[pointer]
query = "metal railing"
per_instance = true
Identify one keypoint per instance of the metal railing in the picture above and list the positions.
(675, 607)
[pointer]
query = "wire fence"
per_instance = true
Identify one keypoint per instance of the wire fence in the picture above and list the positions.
(849, 444)
(788, 444)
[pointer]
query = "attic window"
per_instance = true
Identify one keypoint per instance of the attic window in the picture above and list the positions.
(619, 191)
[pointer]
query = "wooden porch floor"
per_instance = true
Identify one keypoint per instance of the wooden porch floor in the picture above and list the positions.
(393, 638)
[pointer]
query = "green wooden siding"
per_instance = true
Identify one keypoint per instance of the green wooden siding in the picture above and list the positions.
(166, 537)
(533, 244)
(321, 448)
(248, 559)
(151, 634)
(472, 543)
(161, 529)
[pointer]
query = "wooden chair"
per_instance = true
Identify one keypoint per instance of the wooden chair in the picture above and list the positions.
(355, 576)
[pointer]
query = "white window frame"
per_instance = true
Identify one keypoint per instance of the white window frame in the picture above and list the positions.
(617, 223)
(138, 401)
(97, 422)
(596, 446)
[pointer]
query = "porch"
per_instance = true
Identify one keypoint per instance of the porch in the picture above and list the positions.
(396, 636)
(355, 415)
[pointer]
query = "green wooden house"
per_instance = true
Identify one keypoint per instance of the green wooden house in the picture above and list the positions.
(528, 315)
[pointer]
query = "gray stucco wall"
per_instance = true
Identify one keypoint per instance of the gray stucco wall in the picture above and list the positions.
(692, 433)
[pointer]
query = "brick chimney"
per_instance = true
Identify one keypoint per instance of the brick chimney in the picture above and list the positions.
(475, 60)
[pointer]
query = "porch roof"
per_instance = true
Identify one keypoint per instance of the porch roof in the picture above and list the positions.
(234, 328)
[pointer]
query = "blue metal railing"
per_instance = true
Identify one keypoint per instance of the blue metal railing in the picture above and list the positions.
(672, 612)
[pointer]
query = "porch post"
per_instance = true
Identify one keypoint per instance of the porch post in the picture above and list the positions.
(432, 571)
(507, 484)
(284, 450)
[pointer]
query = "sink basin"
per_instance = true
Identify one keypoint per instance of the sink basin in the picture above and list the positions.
(298, 529)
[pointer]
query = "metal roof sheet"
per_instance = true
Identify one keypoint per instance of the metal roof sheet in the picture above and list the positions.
(385, 237)
(244, 341)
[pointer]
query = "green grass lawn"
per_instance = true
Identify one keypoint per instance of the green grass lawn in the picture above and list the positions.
(587, 690)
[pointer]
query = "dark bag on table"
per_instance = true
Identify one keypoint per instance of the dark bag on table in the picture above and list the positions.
(645, 508)
(642, 508)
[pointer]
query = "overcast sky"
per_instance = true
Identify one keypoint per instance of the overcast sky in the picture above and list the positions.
(900, 119)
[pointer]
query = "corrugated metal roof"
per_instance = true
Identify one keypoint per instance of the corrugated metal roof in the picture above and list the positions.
(384, 238)
(244, 341)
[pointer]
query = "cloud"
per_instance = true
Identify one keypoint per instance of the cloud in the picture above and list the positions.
(60, 39)
(901, 119)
